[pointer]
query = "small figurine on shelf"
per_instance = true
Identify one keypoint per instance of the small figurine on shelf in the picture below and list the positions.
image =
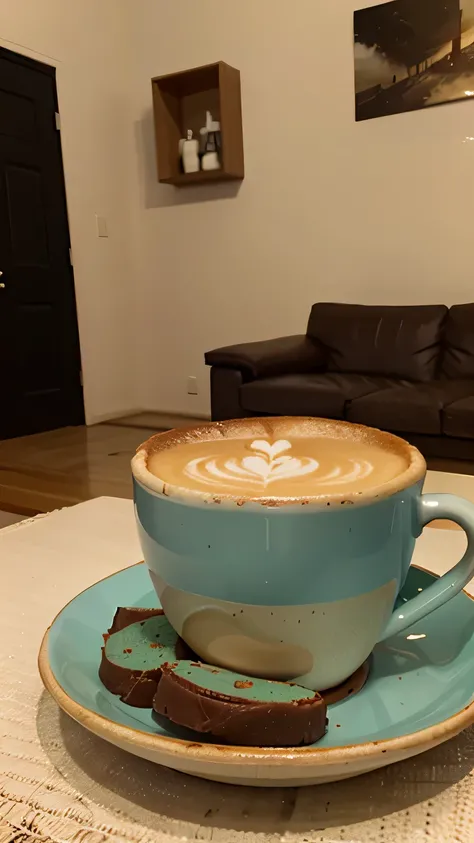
(210, 145)
(188, 150)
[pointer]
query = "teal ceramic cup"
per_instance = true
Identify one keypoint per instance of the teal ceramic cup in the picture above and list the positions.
(298, 589)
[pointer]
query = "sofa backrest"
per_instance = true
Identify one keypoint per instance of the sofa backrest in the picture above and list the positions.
(402, 342)
(458, 356)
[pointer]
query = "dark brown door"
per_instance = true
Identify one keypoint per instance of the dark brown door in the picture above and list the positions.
(40, 369)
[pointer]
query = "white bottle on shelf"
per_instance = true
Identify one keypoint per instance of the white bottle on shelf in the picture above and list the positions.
(189, 149)
(211, 135)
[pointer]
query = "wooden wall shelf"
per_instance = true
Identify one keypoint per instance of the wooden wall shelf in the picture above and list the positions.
(180, 102)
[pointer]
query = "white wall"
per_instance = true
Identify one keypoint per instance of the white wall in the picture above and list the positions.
(90, 44)
(379, 211)
(372, 212)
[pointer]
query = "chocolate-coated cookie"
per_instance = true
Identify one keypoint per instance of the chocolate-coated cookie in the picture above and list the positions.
(138, 644)
(238, 709)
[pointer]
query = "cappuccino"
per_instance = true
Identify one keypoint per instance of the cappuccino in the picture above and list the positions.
(277, 460)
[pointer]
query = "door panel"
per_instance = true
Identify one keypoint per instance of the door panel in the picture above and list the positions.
(40, 366)
(27, 217)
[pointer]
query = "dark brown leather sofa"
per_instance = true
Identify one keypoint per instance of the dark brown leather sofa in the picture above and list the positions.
(409, 370)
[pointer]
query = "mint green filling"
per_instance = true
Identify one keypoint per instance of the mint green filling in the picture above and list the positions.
(223, 682)
(140, 638)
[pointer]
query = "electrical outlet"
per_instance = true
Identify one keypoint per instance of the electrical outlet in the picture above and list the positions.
(192, 385)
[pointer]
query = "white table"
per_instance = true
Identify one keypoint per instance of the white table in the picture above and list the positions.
(59, 783)
(456, 484)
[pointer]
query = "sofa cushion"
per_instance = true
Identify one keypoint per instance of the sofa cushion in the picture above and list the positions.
(458, 357)
(324, 395)
(399, 342)
(411, 408)
(458, 418)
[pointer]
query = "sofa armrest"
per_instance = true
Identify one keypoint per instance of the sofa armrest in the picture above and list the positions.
(280, 356)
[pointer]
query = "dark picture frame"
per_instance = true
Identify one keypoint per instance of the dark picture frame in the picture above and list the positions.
(412, 54)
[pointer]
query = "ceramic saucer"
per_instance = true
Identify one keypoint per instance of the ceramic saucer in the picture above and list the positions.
(420, 692)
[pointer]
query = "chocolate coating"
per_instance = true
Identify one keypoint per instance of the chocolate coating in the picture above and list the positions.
(242, 720)
(124, 616)
(136, 686)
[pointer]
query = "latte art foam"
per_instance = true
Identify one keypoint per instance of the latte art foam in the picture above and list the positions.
(276, 467)
(268, 467)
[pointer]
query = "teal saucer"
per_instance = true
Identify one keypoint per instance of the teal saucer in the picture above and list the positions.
(420, 692)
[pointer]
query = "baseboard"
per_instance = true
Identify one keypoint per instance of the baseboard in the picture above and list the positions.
(100, 418)
(192, 416)
(152, 420)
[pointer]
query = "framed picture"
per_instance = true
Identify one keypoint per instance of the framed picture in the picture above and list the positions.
(412, 54)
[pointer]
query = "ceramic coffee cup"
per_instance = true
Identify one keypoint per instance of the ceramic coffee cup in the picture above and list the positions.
(278, 547)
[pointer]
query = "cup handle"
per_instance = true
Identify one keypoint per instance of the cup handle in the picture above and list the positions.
(431, 507)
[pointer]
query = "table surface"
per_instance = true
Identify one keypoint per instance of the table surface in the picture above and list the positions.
(60, 783)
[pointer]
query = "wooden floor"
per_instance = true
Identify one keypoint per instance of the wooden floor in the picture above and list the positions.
(63, 467)
(50, 470)
(7, 519)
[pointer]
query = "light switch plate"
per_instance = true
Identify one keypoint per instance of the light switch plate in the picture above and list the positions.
(101, 223)
(192, 385)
